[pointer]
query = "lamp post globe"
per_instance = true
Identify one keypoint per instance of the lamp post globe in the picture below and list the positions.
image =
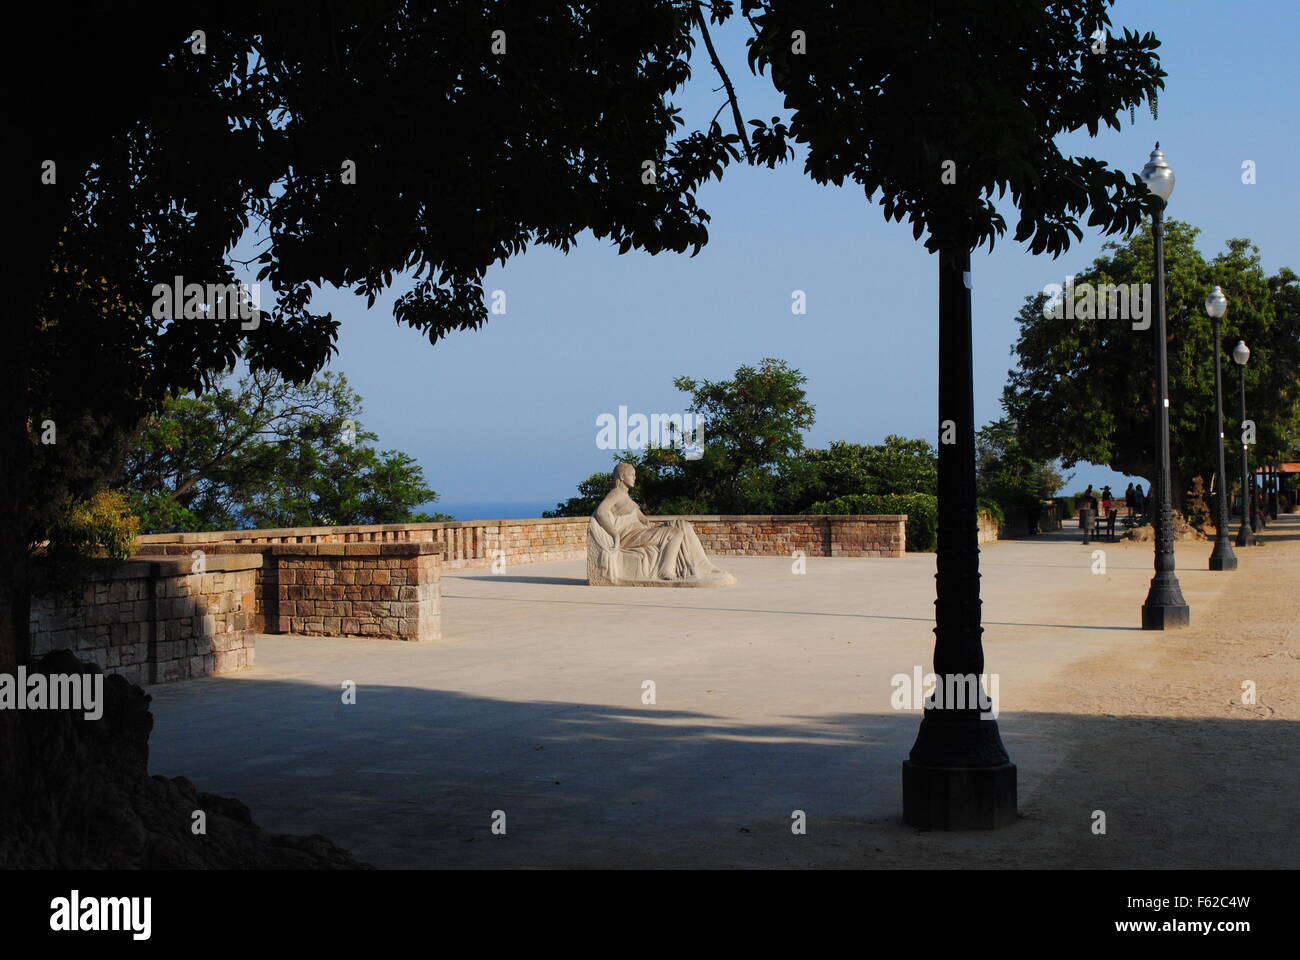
(1245, 537)
(1158, 175)
(1222, 557)
(1164, 606)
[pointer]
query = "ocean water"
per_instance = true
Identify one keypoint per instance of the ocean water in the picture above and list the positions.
(490, 509)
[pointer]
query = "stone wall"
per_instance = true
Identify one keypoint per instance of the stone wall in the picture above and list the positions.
(473, 544)
(816, 536)
(359, 589)
(155, 621)
(1049, 521)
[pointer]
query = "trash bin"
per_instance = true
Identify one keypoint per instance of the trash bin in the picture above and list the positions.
(1087, 520)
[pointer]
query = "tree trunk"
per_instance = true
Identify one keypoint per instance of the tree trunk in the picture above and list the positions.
(15, 451)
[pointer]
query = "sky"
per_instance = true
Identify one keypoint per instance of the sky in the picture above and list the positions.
(508, 413)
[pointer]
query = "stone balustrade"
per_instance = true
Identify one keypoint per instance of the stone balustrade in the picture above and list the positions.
(384, 580)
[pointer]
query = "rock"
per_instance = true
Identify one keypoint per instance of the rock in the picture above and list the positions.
(83, 798)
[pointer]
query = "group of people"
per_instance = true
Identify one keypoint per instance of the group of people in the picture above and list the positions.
(1101, 505)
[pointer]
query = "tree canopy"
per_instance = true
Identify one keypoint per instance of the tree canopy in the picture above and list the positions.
(935, 109)
(361, 145)
(268, 453)
(753, 458)
(1083, 388)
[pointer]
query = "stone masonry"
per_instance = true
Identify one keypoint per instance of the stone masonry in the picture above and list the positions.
(155, 621)
(359, 589)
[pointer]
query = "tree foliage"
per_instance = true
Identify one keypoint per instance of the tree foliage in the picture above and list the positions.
(1084, 387)
(182, 146)
(894, 95)
(268, 453)
(898, 466)
(753, 430)
(1007, 474)
(754, 460)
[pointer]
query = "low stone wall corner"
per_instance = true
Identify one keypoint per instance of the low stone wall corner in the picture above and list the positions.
(388, 590)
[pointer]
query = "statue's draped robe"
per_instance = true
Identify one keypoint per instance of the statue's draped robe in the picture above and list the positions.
(642, 551)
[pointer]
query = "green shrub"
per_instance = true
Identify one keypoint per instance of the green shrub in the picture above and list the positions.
(1068, 507)
(921, 509)
(993, 510)
(100, 526)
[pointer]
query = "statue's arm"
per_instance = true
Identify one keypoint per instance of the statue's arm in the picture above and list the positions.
(605, 517)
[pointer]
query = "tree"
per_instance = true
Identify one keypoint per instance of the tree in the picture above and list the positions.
(936, 108)
(752, 431)
(898, 466)
(357, 145)
(1007, 474)
(268, 453)
(361, 145)
(1083, 388)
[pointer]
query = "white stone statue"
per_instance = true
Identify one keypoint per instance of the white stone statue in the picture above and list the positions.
(624, 549)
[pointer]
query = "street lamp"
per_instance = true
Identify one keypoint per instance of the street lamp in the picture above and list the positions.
(1240, 354)
(958, 775)
(1223, 558)
(1164, 606)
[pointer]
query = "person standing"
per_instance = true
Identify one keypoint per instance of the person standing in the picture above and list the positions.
(1130, 498)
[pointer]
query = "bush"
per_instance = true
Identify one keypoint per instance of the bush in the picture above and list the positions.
(1068, 507)
(993, 510)
(100, 526)
(921, 509)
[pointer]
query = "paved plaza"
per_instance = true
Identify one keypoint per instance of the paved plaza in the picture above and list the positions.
(769, 697)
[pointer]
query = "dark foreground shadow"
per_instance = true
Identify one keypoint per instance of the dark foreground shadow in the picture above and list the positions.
(409, 777)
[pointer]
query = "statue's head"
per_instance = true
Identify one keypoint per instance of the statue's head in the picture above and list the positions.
(626, 474)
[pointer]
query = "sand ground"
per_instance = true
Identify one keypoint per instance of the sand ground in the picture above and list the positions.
(774, 696)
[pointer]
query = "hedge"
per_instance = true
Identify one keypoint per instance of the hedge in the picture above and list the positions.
(921, 509)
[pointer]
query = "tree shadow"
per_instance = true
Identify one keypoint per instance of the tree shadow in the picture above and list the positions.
(413, 777)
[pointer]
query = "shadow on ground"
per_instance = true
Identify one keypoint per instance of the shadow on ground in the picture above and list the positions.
(409, 777)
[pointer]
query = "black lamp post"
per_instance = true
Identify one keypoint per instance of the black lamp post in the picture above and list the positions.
(1245, 537)
(1223, 557)
(1164, 606)
(958, 775)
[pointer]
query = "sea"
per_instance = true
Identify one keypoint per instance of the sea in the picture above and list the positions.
(490, 509)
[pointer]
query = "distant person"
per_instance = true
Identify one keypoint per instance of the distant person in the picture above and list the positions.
(1107, 498)
(1088, 499)
(1130, 498)
(1140, 500)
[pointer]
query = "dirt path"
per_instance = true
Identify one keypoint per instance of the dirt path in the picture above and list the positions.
(1157, 734)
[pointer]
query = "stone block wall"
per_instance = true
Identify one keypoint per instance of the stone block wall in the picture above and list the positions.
(815, 536)
(477, 544)
(473, 545)
(359, 589)
(155, 621)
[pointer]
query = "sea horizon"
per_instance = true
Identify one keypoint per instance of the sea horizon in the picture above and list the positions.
(490, 509)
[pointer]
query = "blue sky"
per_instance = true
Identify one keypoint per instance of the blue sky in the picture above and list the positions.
(508, 413)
